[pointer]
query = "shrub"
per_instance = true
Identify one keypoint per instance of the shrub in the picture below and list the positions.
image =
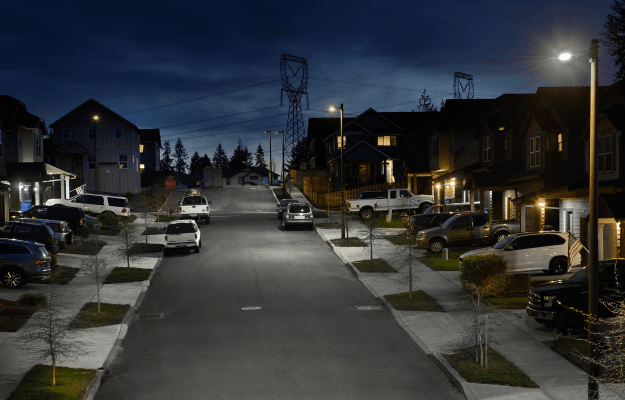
(109, 219)
(33, 300)
(478, 270)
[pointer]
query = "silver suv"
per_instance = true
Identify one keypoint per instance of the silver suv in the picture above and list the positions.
(298, 214)
(22, 261)
(61, 229)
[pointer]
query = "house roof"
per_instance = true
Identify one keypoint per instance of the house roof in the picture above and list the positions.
(493, 178)
(459, 173)
(26, 171)
(13, 113)
(560, 176)
(150, 135)
(466, 113)
(371, 152)
(262, 171)
(611, 205)
(513, 108)
(70, 143)
(92, 102)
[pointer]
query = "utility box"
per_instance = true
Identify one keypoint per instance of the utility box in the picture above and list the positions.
(212, 178)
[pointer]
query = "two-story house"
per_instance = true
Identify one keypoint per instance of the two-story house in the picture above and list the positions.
(149, 154)
(22, 164)
(100, 147)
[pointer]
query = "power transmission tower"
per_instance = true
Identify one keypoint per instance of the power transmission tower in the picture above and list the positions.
(458, 85)
(295, 69)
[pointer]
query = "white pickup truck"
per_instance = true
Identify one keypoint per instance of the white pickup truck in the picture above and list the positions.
(195, 207)
(393, 199)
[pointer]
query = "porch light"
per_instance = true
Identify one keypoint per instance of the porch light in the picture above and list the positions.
(542, 205)
(142, 166)
(438, 185)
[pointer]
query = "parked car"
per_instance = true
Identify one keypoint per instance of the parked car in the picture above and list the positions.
(554, 302)
(96, 203)
(30, 231)
(466, 229)
(530, 251)
(75, 217)
(195, 207)
(425, 221)
(183, 233)
(298, 214)
(452, 208)
(23, 261)
(62, 231)
(283, 205)
(393, 199)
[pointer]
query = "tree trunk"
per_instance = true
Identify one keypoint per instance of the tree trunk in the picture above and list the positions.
(53, 370)
(486, 345)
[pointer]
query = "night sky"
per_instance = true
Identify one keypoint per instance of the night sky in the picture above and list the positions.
(209, 72)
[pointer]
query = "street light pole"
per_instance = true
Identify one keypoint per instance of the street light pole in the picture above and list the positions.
(95, 155)
(343, 217)
(593, 243)
(269, 169)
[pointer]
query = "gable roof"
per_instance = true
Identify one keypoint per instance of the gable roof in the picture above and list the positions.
(262, 171)
(92, 102)
(13, 113)
(466, 113)
(71, 143)
(375, 154)
(150, 135)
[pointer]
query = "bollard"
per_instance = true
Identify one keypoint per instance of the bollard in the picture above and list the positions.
(445, 254)
(169, 212)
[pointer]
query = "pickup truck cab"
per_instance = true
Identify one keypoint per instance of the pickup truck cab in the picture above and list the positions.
(393, 199)
(554, 303)
(195, 207)
(466, 230)
(180, 234)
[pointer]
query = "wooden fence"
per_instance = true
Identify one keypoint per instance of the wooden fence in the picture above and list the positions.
(318, 190)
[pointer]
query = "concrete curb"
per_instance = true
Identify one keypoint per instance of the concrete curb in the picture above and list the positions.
(92, 390)
(436, 358)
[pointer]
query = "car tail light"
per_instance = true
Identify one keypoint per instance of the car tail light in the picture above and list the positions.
(80, 222)
(124, 211)
(40, 262)
(349, 204)
(51, 240)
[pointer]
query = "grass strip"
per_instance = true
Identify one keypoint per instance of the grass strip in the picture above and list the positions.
(13, 315)
(125, 275)
(380, 221)
(401, 240)
(329, 225)
(71, 383)
(110, 314)
(87, 248)
(349, 242)
(499, 372)
(62, 275)
(153, 231)
(375, 265)
(518, 303)
(142, 248)
(435, 261)
(420, 301)
(165, 218)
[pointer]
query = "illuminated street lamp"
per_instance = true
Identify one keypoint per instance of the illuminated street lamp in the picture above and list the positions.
(343, 220)
(593, 234)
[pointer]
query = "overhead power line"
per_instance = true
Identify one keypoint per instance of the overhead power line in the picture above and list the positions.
(221, 116)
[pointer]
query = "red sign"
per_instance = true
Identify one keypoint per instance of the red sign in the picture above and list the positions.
(170, 183)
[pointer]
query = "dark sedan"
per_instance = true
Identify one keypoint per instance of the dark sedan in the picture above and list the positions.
(283, 205)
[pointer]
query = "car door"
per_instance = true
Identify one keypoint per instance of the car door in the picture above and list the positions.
(480, 229)
(405, 200)
(459, 232)
(81, 201)
(546, 247)
(517, 254)
(96, 204)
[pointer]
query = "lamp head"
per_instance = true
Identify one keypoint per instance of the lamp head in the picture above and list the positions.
(95, 117)
(332, 108)
(565, 56)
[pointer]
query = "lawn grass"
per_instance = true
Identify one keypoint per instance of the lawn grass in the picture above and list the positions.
(499, 372)
(109, 230)
(142, 248)
(375, 265)
(435, 261)
(110, 314)
(132, 218)
(71, 383)
(349, 242)
(380, 221)
(153, 231)
(62, 275)
(280, 195)
(401, 240)
(320, 214)
(80, 247)
(518, 303)
(165, 218)
(13, 315)
(121, 275)
(420, 301)
(329, 225)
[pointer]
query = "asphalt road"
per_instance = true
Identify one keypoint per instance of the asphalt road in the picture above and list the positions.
(307, 339)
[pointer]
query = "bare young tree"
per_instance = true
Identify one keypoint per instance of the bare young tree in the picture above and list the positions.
(94, 265)
(404, 258)
(128, 237)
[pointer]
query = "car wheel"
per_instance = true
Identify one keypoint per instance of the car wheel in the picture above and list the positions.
(500, 237)
(200, 243)
(570, 322)
(367, 214)
(207, 221)
(436, 246)
(558, 266)
(12, 278)
(196, 249)
(70, 239)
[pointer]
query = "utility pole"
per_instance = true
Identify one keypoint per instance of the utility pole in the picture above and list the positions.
(95, 155)
(269, 169)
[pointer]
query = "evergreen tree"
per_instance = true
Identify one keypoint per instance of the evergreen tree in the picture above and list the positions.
(299, 154)
(249, 159)
(167, 164)
(205, 161)
(260, 157)
(180, 154)
(615, 37)
(220, 159)
(425, 103)
(442, 105)
(195, 167)
(241, 157)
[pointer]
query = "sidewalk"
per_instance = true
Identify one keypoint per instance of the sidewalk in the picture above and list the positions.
(99, 342)
(438, 333)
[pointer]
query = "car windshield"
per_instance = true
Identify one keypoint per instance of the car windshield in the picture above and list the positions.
(450, 221)
(174, 229)
(299, 209)
(504, 242)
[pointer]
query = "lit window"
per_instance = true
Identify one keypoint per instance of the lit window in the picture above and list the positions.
(486, 150)
(559, 142)
(338, 141)
(534, 151)
(604, 154)
(435, 145)
(140, 148)
(142, 166)
(123, 161)
(387, 140)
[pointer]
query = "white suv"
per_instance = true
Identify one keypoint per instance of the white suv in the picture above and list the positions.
(531, 251)
(96, 203)
(183, 234)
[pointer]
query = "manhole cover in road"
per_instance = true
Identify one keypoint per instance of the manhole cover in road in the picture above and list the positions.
(250, 308)
(152, 316)
(369, 308)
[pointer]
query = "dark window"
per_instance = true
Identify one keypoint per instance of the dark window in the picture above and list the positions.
(434, 149)
(90, 133)
(10, 248)
(67, 134)
(479, 220)
(194, 200)
(90, 162)
(462, 222)
(96, 200)
(604, 154)
(114, 202)
(299, 209)
(174, 229)
(404, 193)
(83, 199)
(439, 219)
(25, 229)
(118, 133)
(39, 212)
(522, 243)
(39, 230)
(393, 195)
(55, 228)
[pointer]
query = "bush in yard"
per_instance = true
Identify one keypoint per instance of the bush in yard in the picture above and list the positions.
(109, 219)
(33, 300)
(477, 270)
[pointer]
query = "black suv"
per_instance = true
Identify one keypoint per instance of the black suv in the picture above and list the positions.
(22, 261)
(30, 231)
(75, 217)
(548, 301)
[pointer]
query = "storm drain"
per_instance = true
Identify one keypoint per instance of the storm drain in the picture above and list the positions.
(152, 316)
(369, 308)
